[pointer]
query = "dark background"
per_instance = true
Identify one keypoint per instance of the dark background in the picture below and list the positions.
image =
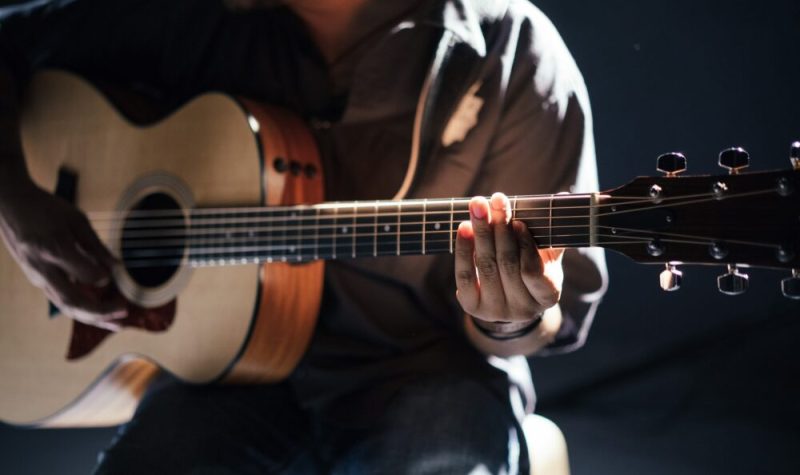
(692, 382)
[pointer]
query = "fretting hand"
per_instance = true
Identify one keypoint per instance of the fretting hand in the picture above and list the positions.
(503, 280)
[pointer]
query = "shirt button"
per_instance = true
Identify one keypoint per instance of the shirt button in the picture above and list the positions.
(319, 124)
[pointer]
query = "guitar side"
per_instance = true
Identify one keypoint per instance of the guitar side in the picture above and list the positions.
(237, 323)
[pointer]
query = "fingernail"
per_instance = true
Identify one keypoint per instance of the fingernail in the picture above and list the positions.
(119, 314)
(464, 230)
(499, 202)
(478, 211)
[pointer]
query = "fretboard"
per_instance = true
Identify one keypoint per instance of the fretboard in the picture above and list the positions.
(369, 229)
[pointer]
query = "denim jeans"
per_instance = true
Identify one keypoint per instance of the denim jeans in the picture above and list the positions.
(443, 425)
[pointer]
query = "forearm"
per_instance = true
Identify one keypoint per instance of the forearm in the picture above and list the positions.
(528, 344)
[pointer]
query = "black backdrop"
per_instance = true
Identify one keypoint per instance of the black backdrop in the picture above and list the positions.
(691, 382)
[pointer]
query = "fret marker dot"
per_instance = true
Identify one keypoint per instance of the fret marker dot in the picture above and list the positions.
(294, 215)
(437, 226)
(387, 228)
(291, 248)
(344, 229)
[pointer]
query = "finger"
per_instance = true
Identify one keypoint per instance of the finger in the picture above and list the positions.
(81, 303)
(78, 264)
(543, 290)
(492, 298)
(89, 241)
(467, 290)
(519, 302)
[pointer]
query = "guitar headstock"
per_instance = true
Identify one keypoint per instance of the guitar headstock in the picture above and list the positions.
(735, 221)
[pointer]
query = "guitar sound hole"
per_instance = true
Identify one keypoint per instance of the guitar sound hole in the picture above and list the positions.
(153, 240)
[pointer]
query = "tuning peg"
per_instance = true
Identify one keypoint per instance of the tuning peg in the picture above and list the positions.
(671, 163)
(733, 282)
(790, 286)
(670, 278)
(734, 159)
(794, 155)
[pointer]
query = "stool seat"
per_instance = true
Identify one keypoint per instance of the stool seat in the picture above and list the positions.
(546, 446)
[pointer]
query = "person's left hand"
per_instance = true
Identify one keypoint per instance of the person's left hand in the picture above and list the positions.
(501, 275)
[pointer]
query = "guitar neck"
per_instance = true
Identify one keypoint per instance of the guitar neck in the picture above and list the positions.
(370, 229)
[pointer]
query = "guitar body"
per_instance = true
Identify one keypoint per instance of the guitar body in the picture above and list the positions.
(231, 323)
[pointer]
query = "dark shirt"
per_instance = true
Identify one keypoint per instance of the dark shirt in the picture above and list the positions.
(383, 321)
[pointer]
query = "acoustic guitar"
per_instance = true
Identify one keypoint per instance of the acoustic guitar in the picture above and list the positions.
(217, 215)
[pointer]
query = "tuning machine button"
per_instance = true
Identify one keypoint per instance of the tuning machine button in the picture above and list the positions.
(794, 155)
(671, 163)
(790, 286)
(734, 159)
(670, 278)
(733, 282)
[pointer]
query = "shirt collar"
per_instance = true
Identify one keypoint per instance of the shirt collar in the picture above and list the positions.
(463, 18)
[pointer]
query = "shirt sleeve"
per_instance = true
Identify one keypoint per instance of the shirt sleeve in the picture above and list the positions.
(105, 39)
(544, 144)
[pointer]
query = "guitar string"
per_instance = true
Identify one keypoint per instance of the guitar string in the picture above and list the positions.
(239, 230)
(366, 205)
(690, 236)
(298, 209)
(116, 215)
(193, 242)
(284, 219)
(352, 246)
(233, 260)
(289, 245)
(143, 243)
(305, 222)
(140, 236)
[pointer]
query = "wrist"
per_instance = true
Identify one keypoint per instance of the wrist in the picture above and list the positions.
(502, 331)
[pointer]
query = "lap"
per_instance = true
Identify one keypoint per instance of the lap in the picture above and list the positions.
(435, 425)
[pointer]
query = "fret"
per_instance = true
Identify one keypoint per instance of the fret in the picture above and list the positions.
(399, 212)
(316, 233)
(387, 241)
(450, 228)
(343, 231)
(364, 232)
(535, 213)
(250, 237)
(593, 203)
(272, 235)
(333, 232)
(550, 224)
(571, 218)
(424, 220)
(326, 239)
(307, 234)
(410, 242)
(437, 228)
(198, 241)
(375, 232)
(556, 221)
(513, 208)
(291, 227)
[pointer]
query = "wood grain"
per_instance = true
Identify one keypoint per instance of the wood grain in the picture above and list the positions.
(290, 293)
